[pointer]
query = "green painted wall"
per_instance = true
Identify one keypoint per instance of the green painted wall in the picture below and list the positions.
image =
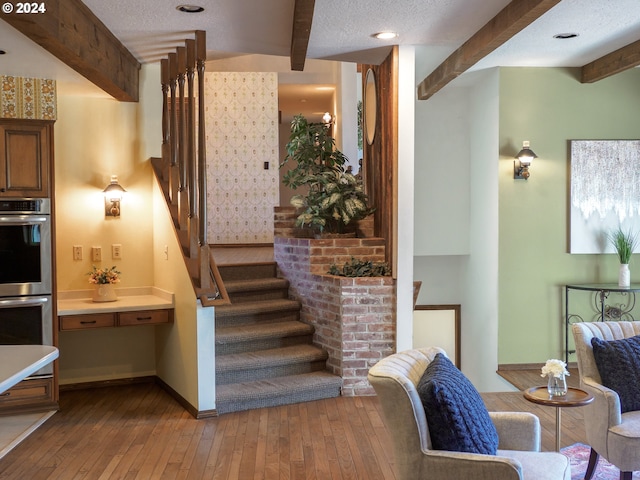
(549, 107)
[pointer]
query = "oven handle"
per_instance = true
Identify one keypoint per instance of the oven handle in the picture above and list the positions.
(23, 301)
(22, 219)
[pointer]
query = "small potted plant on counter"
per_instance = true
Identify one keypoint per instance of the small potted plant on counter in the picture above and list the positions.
(104, 280)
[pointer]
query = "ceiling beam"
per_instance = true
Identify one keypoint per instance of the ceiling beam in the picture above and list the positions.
(302, 19)
(512, 19)
(612, 63)
(72, 33)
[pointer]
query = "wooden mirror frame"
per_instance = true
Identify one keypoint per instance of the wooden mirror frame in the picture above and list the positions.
(370, 107)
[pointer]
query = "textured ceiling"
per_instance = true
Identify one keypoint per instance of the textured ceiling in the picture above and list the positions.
(342, 30)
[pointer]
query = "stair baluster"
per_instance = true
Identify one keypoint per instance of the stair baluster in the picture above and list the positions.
(181, 164)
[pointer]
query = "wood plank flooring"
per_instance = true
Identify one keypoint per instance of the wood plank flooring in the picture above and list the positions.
(140, 432)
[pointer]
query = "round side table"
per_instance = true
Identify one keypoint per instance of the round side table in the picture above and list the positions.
(575, 397)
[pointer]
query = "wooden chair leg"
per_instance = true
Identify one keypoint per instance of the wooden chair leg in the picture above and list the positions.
(593, 463)
(626, 475)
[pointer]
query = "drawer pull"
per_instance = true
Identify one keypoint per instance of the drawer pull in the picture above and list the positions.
(87, 322)
(141, 319)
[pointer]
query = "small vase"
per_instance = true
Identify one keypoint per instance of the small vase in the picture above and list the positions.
(557, 386)
(105, 293)
(624, 275)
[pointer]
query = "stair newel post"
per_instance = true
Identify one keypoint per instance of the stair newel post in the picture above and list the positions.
(164, 76)
(183, 210)
(201, 58)
(192, 188)
(173, 128)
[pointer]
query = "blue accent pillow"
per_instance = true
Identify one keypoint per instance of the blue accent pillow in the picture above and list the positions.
(458, 419)
(618, 363)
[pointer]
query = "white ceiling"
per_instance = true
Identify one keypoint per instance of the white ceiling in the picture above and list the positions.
(342, 30)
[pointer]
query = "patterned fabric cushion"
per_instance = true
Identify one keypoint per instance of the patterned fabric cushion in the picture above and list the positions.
(457, 418)
(618, 363)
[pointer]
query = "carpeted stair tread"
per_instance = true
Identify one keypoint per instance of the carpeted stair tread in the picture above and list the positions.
(273, 357)
(259, 307)
(255, 284)
(277, 391)
(243, 333)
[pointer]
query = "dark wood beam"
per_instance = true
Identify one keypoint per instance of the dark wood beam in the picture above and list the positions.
(71, 32)
(302, 19)
(612, 63)
(512, 19)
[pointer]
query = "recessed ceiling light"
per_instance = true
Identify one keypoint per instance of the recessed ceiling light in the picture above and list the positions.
(190, 8)
(565, 36)
(385, 35)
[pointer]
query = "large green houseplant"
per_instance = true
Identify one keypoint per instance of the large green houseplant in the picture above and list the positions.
(334, 198)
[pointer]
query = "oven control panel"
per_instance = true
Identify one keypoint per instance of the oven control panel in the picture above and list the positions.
(25, 206)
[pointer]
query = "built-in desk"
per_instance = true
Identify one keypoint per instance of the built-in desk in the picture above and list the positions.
(134, 306)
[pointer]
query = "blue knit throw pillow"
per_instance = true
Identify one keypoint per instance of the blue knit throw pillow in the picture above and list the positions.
(458, 420)
(618, 363)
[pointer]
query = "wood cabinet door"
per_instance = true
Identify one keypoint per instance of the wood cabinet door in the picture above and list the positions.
(25, 158)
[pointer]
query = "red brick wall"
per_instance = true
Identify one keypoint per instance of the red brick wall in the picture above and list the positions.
(354, 318)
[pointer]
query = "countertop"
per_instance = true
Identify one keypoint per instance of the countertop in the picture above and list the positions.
(77, 302)
(17, 362)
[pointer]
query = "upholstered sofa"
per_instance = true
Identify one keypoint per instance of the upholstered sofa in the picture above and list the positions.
(395, 379)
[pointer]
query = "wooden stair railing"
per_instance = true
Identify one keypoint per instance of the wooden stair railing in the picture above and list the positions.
(182, 169)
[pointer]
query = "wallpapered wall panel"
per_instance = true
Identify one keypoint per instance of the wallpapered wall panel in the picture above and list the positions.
(30, 98)
(242, 134)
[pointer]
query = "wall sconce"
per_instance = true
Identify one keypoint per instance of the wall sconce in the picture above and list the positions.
(112, 197)
(523, 162)
(328, 118)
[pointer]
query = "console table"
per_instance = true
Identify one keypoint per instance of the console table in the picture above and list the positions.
(602, 304)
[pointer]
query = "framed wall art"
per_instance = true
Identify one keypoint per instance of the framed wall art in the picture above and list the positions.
(605, 192)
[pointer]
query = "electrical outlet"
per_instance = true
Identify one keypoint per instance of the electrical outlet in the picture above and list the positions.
(77, 252)
(116, 251)
(96, 254)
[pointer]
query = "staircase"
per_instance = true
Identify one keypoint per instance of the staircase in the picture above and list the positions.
(264, 353)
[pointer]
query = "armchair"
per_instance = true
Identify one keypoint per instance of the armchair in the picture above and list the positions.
(395, 378)
(612, 434)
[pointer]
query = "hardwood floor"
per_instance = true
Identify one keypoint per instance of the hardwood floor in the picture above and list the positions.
(140, 432)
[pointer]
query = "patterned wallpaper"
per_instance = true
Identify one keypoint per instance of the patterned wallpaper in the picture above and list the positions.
(30, 98)
(242, 134)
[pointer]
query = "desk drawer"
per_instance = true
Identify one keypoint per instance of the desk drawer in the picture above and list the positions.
(143, 317)
(83, 322)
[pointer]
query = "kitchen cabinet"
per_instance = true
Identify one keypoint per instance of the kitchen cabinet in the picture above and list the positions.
(33, 394)
(26, 150)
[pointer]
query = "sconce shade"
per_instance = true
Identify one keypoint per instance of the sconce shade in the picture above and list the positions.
(525, 157)
(112, 197)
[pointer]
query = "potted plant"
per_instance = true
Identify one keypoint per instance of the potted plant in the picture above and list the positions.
(624, 244)
(334, 198)
(104, 280)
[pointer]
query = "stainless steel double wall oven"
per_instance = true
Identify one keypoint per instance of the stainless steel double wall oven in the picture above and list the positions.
(26, 307)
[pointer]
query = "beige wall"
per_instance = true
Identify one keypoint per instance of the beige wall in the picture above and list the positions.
(94, 138)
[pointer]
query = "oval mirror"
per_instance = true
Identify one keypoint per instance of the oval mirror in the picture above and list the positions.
(370, 106)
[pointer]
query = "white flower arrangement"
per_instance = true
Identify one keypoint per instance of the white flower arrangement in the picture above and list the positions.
(554, 367)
